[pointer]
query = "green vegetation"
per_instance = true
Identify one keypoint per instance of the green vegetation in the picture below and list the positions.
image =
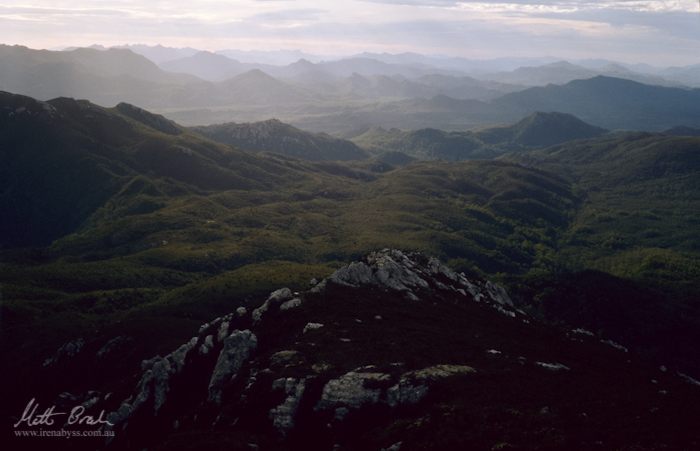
(121, 218)
(536, 130)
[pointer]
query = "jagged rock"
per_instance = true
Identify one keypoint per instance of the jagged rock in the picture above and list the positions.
(320, 287)
(282, 416)
(406, 391)
(321, 367)
(207, 345)
(276, 297)
(154, 384)
(113, 345)
(312, 326)
(349, 391)
(498, 293)
(354, 275)
(391, 269)
(689, 379)
(291, 304)
(615, 345)
(66, 351)
(581, 331)
(177, 358)
(223, 331)
(553, 366)
(237, 348)
(285, 358)
(440, 371)
(413, 386)
(207, 326)
(409, 273)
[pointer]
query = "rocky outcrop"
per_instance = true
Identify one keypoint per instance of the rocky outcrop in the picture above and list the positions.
(351, 391)
(553, 366)
(283, 415)
(66, 351)
(114, 345)
(396, 342)
(312, 326)
(154, 385)
(225, 352)
(413, 273)
(414, 385)
(275, 299)
(237, 348)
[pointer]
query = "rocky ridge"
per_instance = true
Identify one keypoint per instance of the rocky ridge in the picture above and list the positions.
(232, 340)
(389, 352)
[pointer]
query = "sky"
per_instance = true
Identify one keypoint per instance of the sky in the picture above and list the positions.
(636, 31)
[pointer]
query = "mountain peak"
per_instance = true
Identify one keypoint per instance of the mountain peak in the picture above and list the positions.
(304, 63)
(256, 74)
(542, 129)
(549, 128)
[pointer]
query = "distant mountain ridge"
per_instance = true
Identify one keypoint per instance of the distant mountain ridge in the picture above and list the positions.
(209, 66)
(537, 130)
(320, 97)
(612, 103)
(542, 130)
(562, 72)
(275, 136)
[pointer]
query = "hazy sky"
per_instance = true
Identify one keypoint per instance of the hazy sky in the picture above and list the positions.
(656, 32)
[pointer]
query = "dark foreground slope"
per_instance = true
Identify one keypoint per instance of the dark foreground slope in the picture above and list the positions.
(394, 351)
(633, 243)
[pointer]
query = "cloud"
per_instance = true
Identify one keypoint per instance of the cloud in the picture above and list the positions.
(635, 30)
(649, 5)
(289, 15)
(48, 12)
(416, 2)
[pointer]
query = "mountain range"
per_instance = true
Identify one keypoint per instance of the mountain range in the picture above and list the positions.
(562, 72)
(537, 130)
(339, 97)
